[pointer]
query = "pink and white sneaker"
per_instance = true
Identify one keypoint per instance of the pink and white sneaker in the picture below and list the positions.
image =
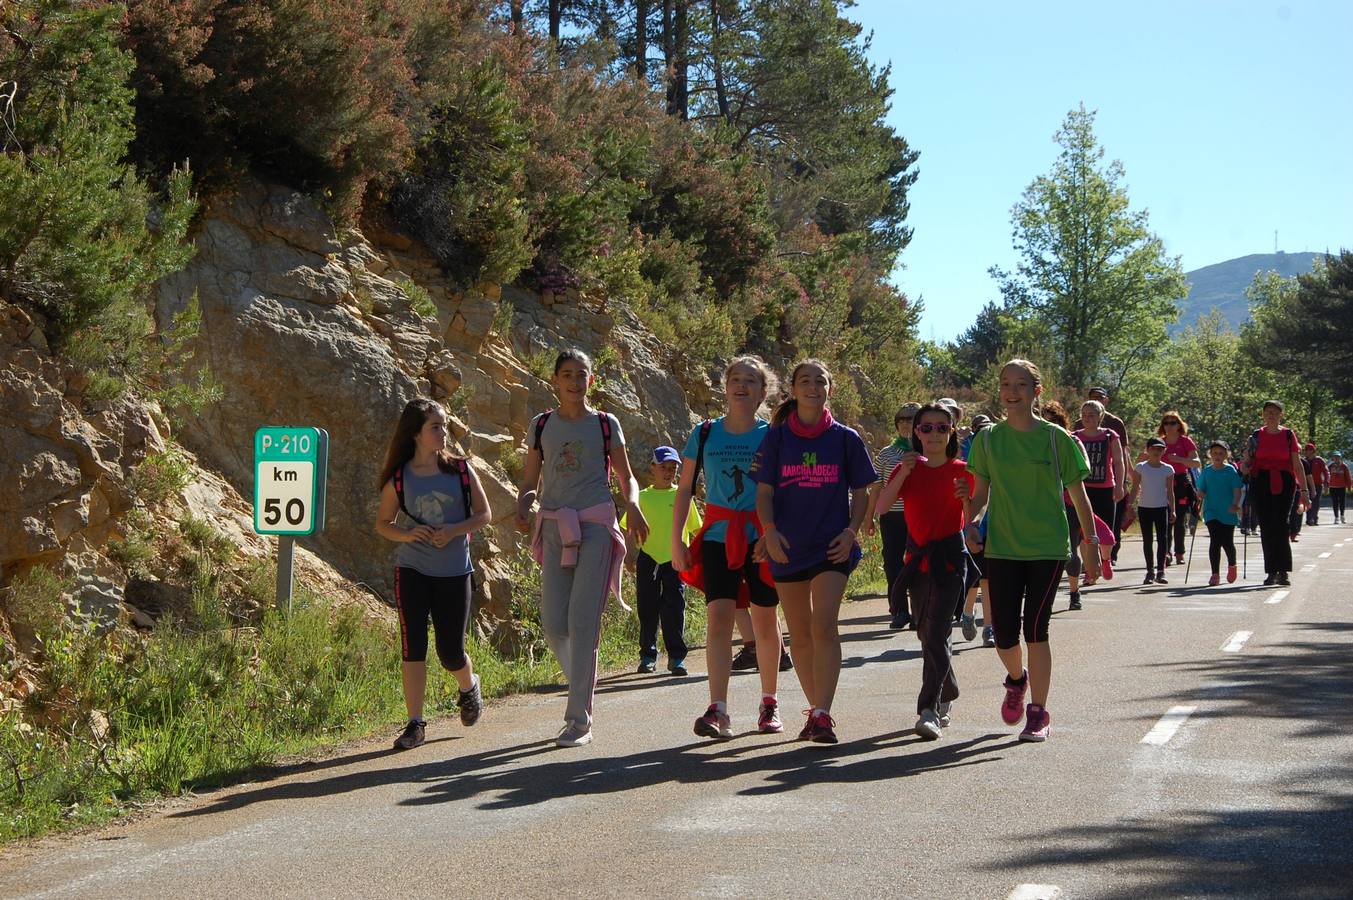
(1038, 725)
(714, 724)
(768, 718)
(1214, 580)
(1012, 708)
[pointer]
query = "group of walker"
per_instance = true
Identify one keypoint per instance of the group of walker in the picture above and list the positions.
(1013, 505)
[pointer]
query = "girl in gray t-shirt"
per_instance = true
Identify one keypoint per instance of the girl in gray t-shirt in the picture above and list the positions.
(571, 453)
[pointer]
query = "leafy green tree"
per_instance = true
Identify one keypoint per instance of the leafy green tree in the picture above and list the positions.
(1090, 269)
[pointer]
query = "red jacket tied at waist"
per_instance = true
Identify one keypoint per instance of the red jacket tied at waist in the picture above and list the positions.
(736, 547)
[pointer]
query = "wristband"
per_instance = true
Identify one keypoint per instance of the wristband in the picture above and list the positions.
(853, 534)
(1093, 540)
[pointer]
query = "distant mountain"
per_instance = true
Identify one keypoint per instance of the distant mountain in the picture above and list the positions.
(1223, 285)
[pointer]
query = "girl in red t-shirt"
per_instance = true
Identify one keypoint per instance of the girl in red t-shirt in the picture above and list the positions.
(933, 485)
(1339, 483)
(1273, 464)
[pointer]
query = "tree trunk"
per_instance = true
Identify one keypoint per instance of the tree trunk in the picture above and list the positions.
(720, 89)
(677, 61)
(556, 17)
(518, 16)
(641, 39)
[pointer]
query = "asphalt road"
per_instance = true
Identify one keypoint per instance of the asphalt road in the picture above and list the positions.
(1202, 745)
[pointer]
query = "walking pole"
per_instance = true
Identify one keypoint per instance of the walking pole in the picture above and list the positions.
(1244, 520)
(1193, 537)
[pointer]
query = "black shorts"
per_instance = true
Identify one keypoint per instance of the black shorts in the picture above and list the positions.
(816, 569)
(723, 583)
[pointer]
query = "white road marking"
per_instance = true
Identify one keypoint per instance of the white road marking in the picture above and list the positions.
(1035, 892)
(1277, 598)
(1168, 725)
(1236, 642)
(1308, 568)
(1323, 556)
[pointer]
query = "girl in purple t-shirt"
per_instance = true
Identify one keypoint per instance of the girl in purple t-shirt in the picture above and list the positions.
(813, 476)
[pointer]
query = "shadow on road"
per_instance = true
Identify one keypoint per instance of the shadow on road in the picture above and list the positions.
(1295, 846)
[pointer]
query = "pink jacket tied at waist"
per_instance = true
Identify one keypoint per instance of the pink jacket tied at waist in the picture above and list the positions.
(570, 523)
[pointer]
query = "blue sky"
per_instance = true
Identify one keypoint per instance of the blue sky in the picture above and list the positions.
(1232, 120)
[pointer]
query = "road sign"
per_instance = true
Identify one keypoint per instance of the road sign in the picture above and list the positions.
(290, 474)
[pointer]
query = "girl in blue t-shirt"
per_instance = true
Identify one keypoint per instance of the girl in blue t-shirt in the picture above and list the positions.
(720, 560)
(1220, 487)
(813, 476)
(423, 510)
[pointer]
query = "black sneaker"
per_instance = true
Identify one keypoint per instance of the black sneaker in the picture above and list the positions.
(900, 622)
(471, 704)
(1076, 600)
(1271, 580)
(412, 736)
(745, 660)
(785, 662)
(1283, 579)
(1160, 577)
(677, 668)
(647, 666)
(1150, 578)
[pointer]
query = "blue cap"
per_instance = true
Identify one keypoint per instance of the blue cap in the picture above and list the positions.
(665, 454)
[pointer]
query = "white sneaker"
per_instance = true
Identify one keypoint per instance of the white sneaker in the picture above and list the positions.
(943, 713)
(574, 736)
(928, 726)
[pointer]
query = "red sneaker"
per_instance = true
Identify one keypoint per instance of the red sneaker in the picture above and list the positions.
(1038, 726)
(768, 720)
(1231, 574)
(1012, 708)
(823, 726)
(714, 724)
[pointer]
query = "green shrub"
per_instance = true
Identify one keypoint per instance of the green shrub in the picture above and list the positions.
(161, 476)
(420, 301)
(37, 600)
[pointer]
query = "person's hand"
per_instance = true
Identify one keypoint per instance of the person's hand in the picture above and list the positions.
(422, 534)
(1172, 516)
(961, 488)
(681, 557)
(1301, 506)
(630, 564)
(773, 544)
(1235, 509)
(443, 536)
(838, 551)
(973, 538)
(638, 525)
(1119, 492)
(870, 525)
(1089, 562)
(1129, 517)
(907, 463)
(523, 523)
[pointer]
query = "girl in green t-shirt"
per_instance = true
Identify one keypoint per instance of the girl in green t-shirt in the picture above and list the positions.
(1020, 468)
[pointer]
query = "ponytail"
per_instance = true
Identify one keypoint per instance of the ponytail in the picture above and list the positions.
(781, 414)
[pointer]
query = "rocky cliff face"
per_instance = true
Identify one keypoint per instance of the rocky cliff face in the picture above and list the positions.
(306, 326)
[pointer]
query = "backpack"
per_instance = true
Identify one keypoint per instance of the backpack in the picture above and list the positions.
(462, 468)
(705, 428)
(603, 419)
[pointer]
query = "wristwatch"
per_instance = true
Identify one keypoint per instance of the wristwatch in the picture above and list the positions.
(1093, 539)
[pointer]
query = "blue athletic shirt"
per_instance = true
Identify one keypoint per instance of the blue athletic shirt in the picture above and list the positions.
(1220, 487)
(813, 478)
(728, 459)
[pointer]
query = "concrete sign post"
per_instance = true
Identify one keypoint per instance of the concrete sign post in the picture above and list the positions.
(291, 467)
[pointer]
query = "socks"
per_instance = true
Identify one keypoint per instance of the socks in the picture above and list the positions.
(721, 706)
(769, 698)
(474, 684)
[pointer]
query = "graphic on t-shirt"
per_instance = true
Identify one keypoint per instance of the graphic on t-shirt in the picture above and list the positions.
(809, 474)
(1098, 453)
(736, 473)
(570, 458)
(430, 508)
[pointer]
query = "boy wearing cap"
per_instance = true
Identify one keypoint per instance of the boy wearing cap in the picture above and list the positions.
(660, 595)
(1153, 492)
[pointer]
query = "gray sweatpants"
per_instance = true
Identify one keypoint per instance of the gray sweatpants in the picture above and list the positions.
(571, 605)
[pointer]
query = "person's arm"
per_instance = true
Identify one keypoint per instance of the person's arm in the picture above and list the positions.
(629, 493)
(1089, 548)
(480, 514)
(871, 521)
(386, 514)
(1169, 495)
(887, 496)
(1192, 461)
(1235, 499)
(681, 509)
(838, 550)
(1119, 468)
(772, 541)
(527, 490)
(976, 505)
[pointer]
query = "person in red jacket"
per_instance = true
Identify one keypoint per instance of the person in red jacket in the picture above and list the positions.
(1320, 478)
(1340, 479)
(1273, 465)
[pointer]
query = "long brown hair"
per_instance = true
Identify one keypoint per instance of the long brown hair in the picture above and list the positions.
(935, 406)
(404, 441)
(788, 405)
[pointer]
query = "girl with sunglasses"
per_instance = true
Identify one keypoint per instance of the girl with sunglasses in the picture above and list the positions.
(934, 485)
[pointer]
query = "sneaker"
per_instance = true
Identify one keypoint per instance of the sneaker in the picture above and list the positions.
(412, 735)
(768, 718)
(943, 712)
(1012, 708)
(1160, 577)
(1038, 724)
(807, 731)
(745, 660)
(823, 726)
(785, 662)
(647, 666)
(1179, 559)
(969, 628)
(714, 724)
(1214, 580)
(988, 636)
(677, 668)
(1106, 569)
(1283, 579)
(1075, 600)
(471, 704)
(1271, 580)
(573, 736)
(928, 726)
(899, 622)
(1231, 574)
(1150, 578)
(1293, 538)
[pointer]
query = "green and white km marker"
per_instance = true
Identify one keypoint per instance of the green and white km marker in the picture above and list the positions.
(291, 469)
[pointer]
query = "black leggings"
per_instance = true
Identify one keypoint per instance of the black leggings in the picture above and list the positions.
(446, 601)
(1271, 510)
(1103, 505)
(893, 537)
(1337, 501)
(1021, 589)
(1184, 498)
(1220, 537)
(1154, 519)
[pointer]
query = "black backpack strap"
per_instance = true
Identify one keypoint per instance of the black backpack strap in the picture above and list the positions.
(540, 429)
(705, 428)
(463, 468)
(605, 422)
(399, 492)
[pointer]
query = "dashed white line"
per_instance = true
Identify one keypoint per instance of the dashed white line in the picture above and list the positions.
(1236, 642)
(1323, 556)
(1277, 598)
(1168, 725)
(1035, 892)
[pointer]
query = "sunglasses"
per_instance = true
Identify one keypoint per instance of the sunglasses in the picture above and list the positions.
(941, 427)
(1170, 422)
